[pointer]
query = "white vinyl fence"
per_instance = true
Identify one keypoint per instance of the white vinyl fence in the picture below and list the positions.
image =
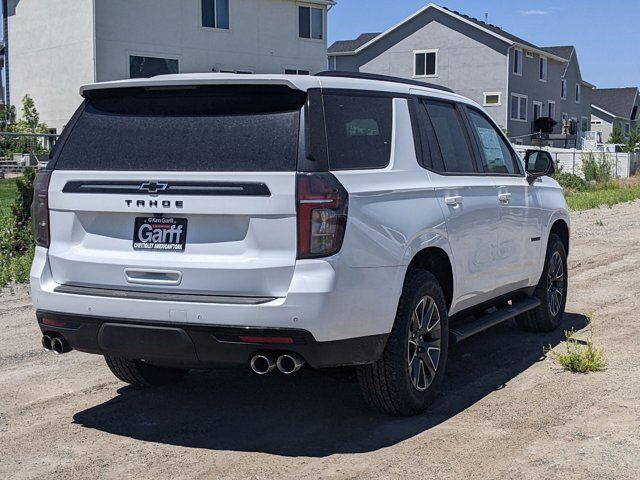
(570, 160)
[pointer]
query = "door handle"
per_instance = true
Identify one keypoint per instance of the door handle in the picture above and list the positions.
(504, 197)
(152, 276)
(453, 201)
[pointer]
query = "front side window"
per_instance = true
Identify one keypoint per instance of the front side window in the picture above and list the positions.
(359, 131)
(450, 136)
(311, 23)
(563, 90)
(492, 99)
(517, 62)
(425, 63)
(578, 92)
(215, 14)
(144, 67)
(495, 151)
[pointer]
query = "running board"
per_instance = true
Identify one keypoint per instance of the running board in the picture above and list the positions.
(464, 331)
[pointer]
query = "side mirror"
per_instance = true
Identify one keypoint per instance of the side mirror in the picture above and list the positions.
(538, 164)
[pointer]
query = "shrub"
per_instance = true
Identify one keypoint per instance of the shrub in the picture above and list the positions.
(571, 182)
(579, 356)
(596, 168)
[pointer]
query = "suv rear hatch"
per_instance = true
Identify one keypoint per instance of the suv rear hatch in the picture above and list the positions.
(180, 189)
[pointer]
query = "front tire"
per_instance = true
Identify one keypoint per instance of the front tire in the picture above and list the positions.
(551, 290)
(142, 374)
(406, 379)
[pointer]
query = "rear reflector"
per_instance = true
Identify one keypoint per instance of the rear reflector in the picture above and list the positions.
(54, 323)
(276, 340)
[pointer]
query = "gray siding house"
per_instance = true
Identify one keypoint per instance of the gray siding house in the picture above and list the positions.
(615, 107)
(515, 80)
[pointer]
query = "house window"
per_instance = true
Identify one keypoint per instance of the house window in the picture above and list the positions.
(215, 14)
(563, 89)
(517, 62)
(425, 63)
(578, 92)
(519, 107)
(295, 71)
(144, 67)
(634, 112)
(537, 110)
(529, 54)
(551, 112)
(627, 129)
(492, 99)
(585, 123)
(311, 23)
(542, 70)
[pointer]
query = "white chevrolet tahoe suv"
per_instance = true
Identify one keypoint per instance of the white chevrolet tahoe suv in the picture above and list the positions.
(273, 221)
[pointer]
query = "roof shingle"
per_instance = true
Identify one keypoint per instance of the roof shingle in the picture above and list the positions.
(618, 101)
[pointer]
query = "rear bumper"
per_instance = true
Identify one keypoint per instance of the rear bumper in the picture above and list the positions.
(201, 346)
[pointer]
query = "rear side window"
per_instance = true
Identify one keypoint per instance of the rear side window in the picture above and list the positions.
(497, 155)
(220, 128)
(358, 131)
(451, 137)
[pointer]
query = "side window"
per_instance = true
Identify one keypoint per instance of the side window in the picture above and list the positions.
(496, 153)
(450, 136)
(359, 130)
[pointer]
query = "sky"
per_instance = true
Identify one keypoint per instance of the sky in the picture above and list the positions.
(606, 33)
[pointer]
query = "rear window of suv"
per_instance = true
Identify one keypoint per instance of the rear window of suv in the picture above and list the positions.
(208, 128)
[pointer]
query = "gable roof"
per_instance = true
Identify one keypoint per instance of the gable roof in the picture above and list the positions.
(564, 51)
(352, 47)
(616, 101)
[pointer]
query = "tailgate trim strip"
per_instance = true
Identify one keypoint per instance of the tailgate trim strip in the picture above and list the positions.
(161, 296)
(134, 187)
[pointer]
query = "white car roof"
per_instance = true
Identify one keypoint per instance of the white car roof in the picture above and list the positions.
(298, 82)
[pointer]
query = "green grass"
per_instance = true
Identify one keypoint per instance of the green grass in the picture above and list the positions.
(7, 194)
(580, 356)
(600, 197)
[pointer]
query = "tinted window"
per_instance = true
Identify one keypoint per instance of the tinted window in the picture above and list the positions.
(144, 67)
(495, 151)
(451, 137)
(358, 131)
(204, 129)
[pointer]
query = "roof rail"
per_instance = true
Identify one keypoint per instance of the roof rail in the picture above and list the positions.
(380, 78)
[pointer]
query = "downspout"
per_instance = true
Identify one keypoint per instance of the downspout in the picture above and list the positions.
(5, 37)
(507, 94)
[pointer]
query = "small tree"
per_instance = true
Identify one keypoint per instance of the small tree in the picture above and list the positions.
(617, 137)
(29, 123)
(633, 141)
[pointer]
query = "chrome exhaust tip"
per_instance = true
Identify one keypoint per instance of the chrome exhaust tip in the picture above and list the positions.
(46, 343)
(290, 363)
(262, 364)
(59, 345)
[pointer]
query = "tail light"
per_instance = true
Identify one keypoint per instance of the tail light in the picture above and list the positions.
(40, 209)
(322, 214)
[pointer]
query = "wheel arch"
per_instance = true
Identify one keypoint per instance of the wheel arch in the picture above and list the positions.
(436, 261)
(561, 229)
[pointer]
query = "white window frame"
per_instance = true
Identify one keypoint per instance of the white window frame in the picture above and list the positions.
(563, 89)
(425, 52)
(517, 64)
(486, 94)
(551, 102)
(519, 97)
(535, 104)
(324, 22)
(216, 28)
(578, 93)
(544, 74)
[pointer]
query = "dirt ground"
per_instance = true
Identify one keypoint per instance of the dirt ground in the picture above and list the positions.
(506, 411)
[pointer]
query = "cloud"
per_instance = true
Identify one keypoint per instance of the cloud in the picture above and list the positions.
(534, 12)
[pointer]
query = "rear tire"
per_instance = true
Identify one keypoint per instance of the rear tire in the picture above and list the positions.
(406, 379)
(141, 374)
(551, 290)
